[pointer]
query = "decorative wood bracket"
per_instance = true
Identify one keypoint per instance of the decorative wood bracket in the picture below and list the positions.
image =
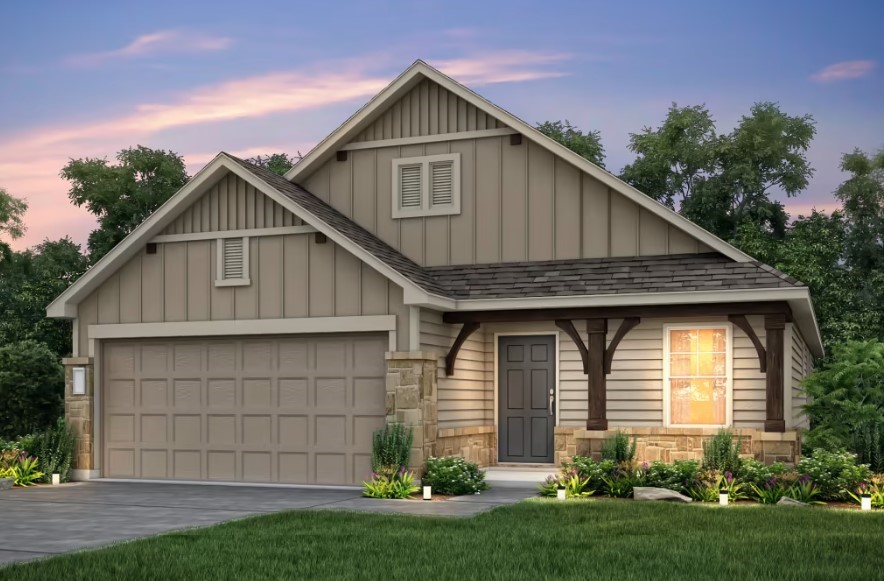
(627, 325)
(465, 332)
(568, 327)
(743, 323)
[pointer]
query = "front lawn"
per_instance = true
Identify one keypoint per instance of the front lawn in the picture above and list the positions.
(538, 539)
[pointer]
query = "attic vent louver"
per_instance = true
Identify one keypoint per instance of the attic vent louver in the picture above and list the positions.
(233, 262)
(410, 186)
(441, 183)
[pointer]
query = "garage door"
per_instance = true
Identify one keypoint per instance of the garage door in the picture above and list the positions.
(284, 409)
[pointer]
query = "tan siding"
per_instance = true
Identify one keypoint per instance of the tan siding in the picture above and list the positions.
(801, 364)
(231, 204)
(291, 277)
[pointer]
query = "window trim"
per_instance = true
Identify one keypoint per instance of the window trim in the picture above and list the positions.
(729, 367)
(426, 208)
(219, 264)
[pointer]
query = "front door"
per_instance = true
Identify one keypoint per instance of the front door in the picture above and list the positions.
(526, 392)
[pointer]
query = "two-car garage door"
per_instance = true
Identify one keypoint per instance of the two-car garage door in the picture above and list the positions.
(281, 409)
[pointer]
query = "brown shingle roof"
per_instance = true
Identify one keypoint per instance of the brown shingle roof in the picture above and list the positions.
(593, 276)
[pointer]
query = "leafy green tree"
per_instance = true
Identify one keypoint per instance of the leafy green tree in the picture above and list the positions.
(12, 211)
(122, 195)
(31, 388)
(29, 281)
(587, 145)
(278, 163)
(862, 199)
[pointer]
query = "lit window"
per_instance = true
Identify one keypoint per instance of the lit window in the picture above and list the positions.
(698, 375)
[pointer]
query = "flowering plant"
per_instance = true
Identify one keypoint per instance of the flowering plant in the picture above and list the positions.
(22, 468)
(574, 485)
(453, 475)
(770, 492)
(387, 482)
(804, 490)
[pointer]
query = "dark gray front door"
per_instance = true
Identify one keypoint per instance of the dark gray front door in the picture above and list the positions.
(526, 391)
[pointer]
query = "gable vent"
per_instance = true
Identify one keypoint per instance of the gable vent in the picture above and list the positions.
(234, 259)
(442, 183)
(410, 186)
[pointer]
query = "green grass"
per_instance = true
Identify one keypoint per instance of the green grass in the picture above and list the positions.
(539, 539)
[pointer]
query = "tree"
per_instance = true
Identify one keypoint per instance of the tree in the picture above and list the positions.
(587, 145)
(12, 211)
(278, 163)
(862, 199)
(31, 388)
(29, 281)
(124, 194)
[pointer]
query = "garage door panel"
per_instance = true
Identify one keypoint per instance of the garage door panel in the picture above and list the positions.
(288, 409)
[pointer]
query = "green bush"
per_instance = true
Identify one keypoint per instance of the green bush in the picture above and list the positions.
(619, 448)
(55, 449)
(31, 388)
(590, 470)
(722, 453)
(454, 476)
(388, 482)
(20, 466)
(835, 473)
(575, 487)
(678, 476)
(752, 472)
(391, 446)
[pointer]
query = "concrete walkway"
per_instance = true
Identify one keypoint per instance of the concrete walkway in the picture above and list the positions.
(44, 521)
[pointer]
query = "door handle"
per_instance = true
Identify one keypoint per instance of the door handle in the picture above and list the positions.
(551, 399)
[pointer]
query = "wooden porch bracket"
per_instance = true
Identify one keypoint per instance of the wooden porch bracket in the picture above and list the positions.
(774, 327)
(627, 325)
(743, 323)
(465, 332)
(568, 327)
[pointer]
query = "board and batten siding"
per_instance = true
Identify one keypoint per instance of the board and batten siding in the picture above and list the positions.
(518, 202)
(634, 387)
(291, 277)
(802, 365)
(427, 109)
(231, 204)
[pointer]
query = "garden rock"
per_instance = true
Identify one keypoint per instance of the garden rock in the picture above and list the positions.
(5, 483)
(651, 493)
(786, 501)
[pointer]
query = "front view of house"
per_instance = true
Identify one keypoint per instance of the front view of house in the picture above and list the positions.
(438, 262)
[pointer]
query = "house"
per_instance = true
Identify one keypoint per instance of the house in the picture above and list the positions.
(434, 261)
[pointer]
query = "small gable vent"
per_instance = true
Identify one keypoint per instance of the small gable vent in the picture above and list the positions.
(442, 183)
(233, 262)
(410, 186)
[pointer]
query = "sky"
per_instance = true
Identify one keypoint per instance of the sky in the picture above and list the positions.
(88, 78)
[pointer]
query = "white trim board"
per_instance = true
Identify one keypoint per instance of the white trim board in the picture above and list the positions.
(253, 233)
(441, 137)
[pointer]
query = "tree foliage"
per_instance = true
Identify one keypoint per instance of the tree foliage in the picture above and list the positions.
(278, 163)
(31, 388)
(122, 195)
(587, 145)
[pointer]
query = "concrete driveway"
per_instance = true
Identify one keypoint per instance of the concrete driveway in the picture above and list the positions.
(44, 521)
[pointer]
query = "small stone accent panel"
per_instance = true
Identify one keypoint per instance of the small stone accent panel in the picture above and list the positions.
(475, 444)
(671, 444)
(411, 394)
(78, 412)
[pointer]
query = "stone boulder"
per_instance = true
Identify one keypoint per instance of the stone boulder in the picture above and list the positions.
(786, 501)
(5, 483)
(651, 493)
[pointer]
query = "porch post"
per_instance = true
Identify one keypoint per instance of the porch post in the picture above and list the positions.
(774, 326)
(597, 329)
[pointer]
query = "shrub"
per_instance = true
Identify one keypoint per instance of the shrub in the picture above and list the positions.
(804, 490)
(31, 388)
(835, 473)
(619, 448)
(620, 482)
(55, 449)
(453, 475)
(391, 446)
(752, 472)
(390, 482)
(590, 470)
(770, 492)
(722, 453)
(21, 467)
(677, 476)
(574, 485)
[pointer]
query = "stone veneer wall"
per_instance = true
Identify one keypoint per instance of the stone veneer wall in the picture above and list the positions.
(670, 444)
(411, 394)
(78, 413)
(476, 444)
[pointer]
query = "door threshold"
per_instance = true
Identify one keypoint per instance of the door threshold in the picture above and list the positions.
(526, 465)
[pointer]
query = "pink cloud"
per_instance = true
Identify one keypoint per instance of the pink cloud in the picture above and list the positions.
(30, 160)
(844, 71)
(161, 42)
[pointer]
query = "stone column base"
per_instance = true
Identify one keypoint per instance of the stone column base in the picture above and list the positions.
(79, 413)
(475, 444)
(411, 400)
(671, 444)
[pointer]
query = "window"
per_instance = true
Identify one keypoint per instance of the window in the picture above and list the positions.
(233, 262)
(426, 186)
(697, 375)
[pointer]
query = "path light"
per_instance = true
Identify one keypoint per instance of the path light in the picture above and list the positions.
(56, 479)
(865, 501)
(560, 492)
(722, 497)
(428, 492)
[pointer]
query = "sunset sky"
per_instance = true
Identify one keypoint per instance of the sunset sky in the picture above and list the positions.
(88, 78)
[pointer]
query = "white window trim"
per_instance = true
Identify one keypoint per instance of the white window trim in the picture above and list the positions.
(729, 359)
(426, 209)
(219, 265)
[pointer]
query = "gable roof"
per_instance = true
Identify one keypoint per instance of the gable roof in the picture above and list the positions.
(420, 70)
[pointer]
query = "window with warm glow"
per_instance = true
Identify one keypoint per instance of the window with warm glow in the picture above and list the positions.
(698, 376)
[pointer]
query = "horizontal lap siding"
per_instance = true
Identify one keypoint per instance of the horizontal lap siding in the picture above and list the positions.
(466, 398)
(750, 385)
(291, 277)
(801, 364)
